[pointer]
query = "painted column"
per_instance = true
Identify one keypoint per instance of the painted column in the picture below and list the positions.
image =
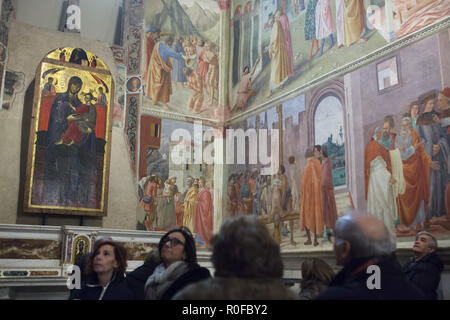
(220, 179)
(355, 139)
(280, 133)
(223, 111)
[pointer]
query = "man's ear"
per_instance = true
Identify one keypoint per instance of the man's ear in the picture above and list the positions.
(346, 250)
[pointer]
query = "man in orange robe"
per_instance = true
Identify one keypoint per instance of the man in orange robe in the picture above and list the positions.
(416, 171)
(311, 216)
(203, 217)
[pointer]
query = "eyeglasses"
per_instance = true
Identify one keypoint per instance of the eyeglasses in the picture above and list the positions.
(173, 241)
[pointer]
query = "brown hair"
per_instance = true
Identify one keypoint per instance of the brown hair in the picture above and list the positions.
(318, 270)
(244, 248)
(427, 98)
(120, 255)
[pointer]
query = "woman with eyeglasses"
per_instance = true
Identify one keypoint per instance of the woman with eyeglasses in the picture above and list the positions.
(178, 266)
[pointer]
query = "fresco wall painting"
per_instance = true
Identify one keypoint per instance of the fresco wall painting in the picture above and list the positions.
(358, 137)
(181, 65)
(174, 192)
(300, 43)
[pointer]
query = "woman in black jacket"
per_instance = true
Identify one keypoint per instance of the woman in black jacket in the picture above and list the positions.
(169, 269)
(106, 268)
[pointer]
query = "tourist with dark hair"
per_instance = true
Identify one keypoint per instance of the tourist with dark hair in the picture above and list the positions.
(170, 268)
(316, 276)
(247, 264)
(106, 273)
(424, 269)
(362, 241)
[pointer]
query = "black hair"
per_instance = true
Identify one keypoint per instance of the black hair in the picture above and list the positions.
(189, 246)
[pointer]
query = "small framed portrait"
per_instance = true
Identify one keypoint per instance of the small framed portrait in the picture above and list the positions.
(388, 75)
(134, 84)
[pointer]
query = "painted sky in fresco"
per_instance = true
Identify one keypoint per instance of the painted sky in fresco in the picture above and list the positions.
(292, 107)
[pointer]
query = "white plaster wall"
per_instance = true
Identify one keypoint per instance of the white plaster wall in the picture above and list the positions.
(47, 13)
(123, 198)
(27, 46)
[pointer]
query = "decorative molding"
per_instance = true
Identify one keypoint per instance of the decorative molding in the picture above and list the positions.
(178, 116)
(134, 50)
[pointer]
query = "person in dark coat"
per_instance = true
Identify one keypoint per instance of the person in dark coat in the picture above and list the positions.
(106, 269)
(424, 269)
(169, 268)
(81, 262)
(363, 241)
(248, 265)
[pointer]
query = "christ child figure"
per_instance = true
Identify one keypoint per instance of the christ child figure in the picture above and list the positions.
(79, 123)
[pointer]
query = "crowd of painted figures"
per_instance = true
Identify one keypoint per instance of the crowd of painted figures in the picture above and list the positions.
(406, 174)
(166, 206)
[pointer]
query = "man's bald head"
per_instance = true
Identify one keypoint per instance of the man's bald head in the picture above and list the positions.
(370, 226)
(367, 235)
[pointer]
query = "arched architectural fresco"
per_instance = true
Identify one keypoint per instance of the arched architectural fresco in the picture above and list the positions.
(329, 133)
(70, 136)
(315, 99)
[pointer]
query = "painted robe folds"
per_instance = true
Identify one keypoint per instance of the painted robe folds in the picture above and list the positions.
(279, 69)
(311, 197)
(379, 192)
(353, 17)
(417, 193)
(189, 207)
(328, 199)
(159, 86)
(284, 21)
(203, 219)
(431, 133)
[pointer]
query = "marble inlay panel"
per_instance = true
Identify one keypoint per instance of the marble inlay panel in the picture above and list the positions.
(29, 249)
(137, 250)
(43, 273)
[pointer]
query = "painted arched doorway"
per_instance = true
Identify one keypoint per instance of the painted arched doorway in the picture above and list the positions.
(329, 133)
